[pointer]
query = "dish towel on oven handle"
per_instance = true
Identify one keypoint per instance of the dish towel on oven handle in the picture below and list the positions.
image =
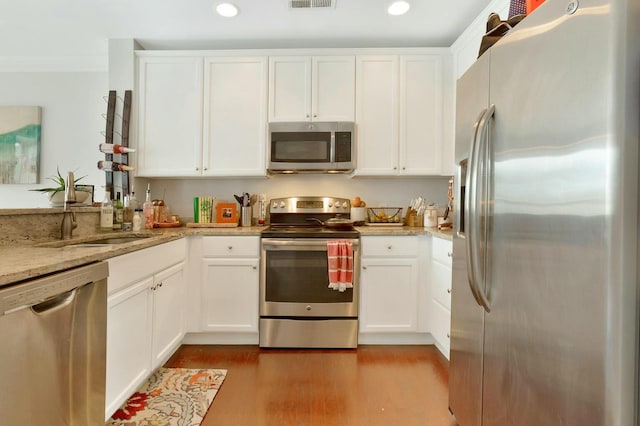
(340, 260)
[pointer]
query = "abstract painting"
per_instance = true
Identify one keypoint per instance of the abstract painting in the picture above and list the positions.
(20, 132)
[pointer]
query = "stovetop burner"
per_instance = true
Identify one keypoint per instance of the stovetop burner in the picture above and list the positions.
(291, 218)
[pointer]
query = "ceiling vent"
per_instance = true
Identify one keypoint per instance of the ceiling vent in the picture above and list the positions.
(311, 4)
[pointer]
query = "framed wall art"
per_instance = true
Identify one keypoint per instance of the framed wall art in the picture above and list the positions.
(20, 133)
(226, 213)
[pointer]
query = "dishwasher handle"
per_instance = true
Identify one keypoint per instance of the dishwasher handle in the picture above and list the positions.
(55, 303)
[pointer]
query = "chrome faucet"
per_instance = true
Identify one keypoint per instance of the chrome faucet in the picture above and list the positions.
(68, 217)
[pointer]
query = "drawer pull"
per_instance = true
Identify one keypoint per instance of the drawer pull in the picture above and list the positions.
(448, 336)
(230, 248)
(389, 247)
(254, 267)
(449, 290)
(364, 267)
(449, 254)
(160, 285)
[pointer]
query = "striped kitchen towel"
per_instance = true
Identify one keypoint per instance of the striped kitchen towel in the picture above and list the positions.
(340, 260)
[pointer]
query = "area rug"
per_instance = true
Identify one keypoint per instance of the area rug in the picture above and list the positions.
(170, 397)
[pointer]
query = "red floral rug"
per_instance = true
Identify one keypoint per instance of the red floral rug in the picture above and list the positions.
(171, 396)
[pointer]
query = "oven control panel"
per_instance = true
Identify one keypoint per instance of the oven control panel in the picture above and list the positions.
(310, 205)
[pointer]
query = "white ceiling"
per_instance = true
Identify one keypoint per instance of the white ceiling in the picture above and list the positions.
(40, 28)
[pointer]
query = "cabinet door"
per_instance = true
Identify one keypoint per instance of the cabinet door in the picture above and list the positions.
(235, 111)
(333, 88)
(168, 313)
(230, 291)
(169, 116)
(389, 295)
(289, 88)
(421, 106)
(377, 115)
(441, 327)
(128, 342)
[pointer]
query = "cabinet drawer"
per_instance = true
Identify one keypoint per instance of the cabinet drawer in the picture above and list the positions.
(389, 246)
(441, 285)
(231, 246)
(134, 266)
(442, 250)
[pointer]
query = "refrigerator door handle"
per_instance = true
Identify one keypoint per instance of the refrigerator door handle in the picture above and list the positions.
(484, 150)
(471, 212)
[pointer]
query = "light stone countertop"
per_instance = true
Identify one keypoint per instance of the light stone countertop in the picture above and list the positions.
(23, 261)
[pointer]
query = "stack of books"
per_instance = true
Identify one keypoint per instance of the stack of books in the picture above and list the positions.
(204, 209)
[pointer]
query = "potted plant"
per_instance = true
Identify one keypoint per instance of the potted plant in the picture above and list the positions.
(56, 194)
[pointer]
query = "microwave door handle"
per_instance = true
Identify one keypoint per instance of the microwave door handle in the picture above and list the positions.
(332, 148)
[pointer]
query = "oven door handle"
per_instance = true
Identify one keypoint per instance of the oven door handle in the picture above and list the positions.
(300, 242)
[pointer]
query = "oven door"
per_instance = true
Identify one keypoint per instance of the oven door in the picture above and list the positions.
(294, 280)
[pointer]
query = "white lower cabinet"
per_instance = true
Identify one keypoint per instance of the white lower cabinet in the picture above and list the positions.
(440, 306)
(230, 295)
(144, 318)
(224, 293)
(128, 342)
(389, 295)
(168, 313)
(392, 302)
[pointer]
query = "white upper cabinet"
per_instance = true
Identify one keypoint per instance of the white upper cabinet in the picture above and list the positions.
(169, 116)
(235, 116)
(420, 114)
(306, 88)
(399, 114)
(377, 114)
(201, 115)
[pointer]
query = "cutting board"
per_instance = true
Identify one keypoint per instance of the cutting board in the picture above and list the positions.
(212, 225)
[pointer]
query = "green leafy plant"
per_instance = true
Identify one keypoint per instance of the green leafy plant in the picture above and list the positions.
(61, 184)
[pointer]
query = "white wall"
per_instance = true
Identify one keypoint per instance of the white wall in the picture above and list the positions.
(72, 105)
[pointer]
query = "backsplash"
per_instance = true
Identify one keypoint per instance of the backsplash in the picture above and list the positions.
(383, 191)
(35, 225)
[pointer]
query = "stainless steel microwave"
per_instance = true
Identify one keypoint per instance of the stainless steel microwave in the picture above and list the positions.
(301, 147)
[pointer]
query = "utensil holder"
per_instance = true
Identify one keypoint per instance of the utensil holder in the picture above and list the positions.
(245, 216)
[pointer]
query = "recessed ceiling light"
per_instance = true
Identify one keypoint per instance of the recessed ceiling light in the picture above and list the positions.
(398, 8)
(227, 10)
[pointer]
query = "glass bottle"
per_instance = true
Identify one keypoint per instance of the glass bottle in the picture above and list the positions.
(106, 213)
(118, 213)
(147, 209)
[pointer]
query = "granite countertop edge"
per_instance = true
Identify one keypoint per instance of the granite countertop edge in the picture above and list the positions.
(27, 260)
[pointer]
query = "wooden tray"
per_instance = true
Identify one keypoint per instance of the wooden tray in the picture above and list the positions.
(166, 224)
(212, 225)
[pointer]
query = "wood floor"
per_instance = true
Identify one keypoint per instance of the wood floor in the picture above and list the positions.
(371, 385)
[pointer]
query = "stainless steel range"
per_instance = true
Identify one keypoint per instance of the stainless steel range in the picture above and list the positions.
(298, 309)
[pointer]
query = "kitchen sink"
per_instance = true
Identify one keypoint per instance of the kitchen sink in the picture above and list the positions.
(99, 241)
(115, 240)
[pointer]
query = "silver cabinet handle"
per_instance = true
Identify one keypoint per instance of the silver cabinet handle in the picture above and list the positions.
(404, 168)
(197, 169)
(389, 247)
(364, 267)
(315, 115)
(448, 336)
(254, 267)
(449, 291)
(449, 254)
(230, 248)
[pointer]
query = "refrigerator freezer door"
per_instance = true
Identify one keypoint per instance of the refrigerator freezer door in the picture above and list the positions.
(467, 317)
(546, 338)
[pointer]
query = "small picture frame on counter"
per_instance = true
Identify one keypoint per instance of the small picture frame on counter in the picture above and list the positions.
(226, 213)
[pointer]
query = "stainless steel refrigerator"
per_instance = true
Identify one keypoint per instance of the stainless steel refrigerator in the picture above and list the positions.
(544, 327)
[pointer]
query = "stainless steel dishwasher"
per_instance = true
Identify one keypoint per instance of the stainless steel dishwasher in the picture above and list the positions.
(53, 350)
